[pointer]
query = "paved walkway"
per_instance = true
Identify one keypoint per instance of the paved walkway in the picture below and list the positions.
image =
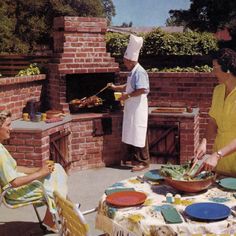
(85, 186)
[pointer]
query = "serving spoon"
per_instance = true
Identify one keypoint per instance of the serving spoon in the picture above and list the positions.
(196, 166)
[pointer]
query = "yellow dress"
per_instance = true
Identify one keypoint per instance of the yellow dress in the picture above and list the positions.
(223, 110)
(57, 180)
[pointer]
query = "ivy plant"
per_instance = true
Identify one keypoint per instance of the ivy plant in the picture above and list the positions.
(33, 69)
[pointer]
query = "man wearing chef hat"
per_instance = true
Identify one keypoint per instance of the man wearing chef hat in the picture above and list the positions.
(135, 91)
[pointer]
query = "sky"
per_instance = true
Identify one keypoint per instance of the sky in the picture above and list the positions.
(146, 12)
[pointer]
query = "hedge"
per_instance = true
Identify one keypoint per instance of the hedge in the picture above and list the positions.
(158, 42)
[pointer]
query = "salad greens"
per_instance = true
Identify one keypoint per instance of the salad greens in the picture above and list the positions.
(178, 172)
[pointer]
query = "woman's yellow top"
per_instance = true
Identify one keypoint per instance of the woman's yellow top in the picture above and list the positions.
(223, 110)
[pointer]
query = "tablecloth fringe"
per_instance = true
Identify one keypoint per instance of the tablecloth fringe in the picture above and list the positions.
(109, 226)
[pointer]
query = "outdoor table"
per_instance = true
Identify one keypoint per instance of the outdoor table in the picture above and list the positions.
(147, 220)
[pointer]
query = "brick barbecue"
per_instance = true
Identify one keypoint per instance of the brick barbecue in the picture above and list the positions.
(79, 49)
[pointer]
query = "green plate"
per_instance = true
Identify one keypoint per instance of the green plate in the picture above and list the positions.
(228, 183)
(153, 175)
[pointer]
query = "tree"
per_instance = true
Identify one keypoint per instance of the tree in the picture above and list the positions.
(125, 25)
(8, 40)
(28, 23)
(206, 15)
(109, 9)
(172, 21)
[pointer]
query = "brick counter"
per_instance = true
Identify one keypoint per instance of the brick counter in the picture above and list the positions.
(30, 141)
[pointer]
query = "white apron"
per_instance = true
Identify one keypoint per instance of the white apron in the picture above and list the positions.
(135, 118)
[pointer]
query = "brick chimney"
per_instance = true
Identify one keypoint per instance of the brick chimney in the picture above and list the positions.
(79, 48)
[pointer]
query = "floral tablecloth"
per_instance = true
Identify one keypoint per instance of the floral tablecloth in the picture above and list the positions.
(147, 220)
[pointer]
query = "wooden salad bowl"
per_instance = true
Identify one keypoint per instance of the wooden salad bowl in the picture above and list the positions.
(191, 186)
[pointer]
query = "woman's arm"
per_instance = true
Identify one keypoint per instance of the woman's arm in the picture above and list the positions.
(226, 150)
(213, 159)
(27, 170)
(42, 172)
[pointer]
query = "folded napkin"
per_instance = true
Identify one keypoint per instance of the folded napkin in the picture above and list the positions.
(171, 215)
(114, 190)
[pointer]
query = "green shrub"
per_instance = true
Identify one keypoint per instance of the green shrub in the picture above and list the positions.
(116, 43)
(204, 68)
(158, 42)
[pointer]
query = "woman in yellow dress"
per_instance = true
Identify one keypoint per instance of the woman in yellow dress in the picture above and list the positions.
(52, 176)
(222, 116)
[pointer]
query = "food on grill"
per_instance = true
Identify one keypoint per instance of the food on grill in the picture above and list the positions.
(87, 102)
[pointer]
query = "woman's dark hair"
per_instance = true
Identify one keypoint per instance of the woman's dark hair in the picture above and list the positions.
(226, 58)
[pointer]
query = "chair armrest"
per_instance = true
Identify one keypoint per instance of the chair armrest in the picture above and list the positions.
(5, 189)
(9, 186)
(90, 211)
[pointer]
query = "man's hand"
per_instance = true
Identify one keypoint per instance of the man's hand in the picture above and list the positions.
(124, 96)
(111, 86)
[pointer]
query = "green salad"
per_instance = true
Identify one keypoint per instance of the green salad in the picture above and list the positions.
(179, 172)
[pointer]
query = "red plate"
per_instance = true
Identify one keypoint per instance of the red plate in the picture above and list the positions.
(127, 198)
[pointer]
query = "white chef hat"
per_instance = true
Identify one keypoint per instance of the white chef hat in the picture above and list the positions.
(133, 48)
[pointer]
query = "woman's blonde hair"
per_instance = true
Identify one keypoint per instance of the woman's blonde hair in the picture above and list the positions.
(3, 116)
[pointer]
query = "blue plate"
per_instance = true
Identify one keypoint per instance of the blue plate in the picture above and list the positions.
(208, 211)
(228, 183)
(153, 175)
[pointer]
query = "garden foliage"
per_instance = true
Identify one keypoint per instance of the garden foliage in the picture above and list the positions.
(25, 24)
(158, 42)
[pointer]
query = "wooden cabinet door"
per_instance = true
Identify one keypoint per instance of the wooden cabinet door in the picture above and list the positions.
(164, 142)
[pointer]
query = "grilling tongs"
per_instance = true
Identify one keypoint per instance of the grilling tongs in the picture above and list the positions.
(101, 90)
(196, 166)
(96, 93)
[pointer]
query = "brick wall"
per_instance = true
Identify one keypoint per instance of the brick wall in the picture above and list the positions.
(30, 148)
(89, 151)
(16, 91)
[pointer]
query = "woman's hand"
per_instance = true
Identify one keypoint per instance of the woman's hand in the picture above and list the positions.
(201, 150)
(47, 168)
(51, 165)
(211, 162)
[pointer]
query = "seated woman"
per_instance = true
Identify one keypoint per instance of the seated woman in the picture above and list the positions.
(53, 177)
